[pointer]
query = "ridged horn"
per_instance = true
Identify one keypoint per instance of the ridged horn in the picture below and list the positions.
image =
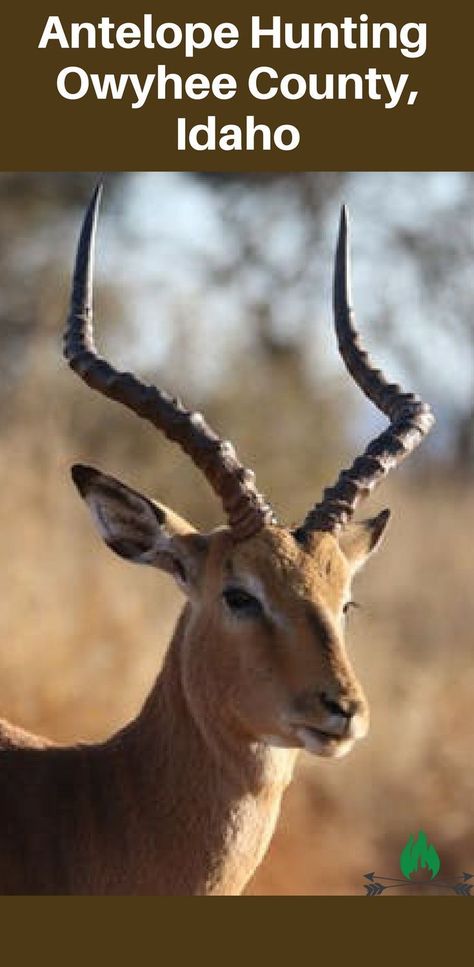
(410, 418)
(246, 509)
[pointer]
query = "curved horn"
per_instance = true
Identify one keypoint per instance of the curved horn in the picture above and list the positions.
(246, 509)
(410, 418)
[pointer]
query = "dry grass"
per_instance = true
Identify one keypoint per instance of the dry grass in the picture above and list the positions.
(83, 635)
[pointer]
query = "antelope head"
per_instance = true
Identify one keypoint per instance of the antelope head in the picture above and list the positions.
(264, 644)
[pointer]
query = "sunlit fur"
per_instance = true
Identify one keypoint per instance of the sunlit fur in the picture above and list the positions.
(184, 800)
(268, 673)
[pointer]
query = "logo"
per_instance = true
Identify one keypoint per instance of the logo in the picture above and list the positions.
(415, 854)
(416, 857)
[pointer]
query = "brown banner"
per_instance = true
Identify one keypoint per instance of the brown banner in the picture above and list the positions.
(377, 99)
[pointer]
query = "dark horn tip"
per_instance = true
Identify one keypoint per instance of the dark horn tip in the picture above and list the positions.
(87, 235)
(98, 188)
(91, 212)
(343, 234)
(96, 197)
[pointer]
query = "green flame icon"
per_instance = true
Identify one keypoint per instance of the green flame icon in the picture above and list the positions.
(417, 853)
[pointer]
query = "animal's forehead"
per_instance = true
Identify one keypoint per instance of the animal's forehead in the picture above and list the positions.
(281, 564)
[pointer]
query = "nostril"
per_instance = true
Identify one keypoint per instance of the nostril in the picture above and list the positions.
(342, 706)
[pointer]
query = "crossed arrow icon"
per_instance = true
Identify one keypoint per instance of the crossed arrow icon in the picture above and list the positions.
(461, 887)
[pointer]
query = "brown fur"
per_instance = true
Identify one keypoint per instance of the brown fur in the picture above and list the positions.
(184, 800)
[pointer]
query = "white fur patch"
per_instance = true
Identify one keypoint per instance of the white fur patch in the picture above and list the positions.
(318, 745)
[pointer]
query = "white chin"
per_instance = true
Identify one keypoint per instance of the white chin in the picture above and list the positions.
(319, 744)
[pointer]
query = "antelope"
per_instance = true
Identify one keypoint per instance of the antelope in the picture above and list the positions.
(185, 798)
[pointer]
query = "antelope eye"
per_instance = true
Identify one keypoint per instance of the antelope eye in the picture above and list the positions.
(242, 603)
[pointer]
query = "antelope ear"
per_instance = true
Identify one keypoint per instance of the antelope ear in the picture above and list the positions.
(139, 529)
(358, 541)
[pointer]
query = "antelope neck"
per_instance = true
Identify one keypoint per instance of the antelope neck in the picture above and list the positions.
(223, 795)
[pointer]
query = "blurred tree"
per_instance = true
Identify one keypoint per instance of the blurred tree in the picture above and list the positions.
(444, 253)
(415, 253)
(36, 209)
(269, 398)
(276, 223)
(231, 305)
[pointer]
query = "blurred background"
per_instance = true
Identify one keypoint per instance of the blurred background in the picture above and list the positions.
(218, 287)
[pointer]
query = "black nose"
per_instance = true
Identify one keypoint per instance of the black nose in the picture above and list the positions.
(340, 706)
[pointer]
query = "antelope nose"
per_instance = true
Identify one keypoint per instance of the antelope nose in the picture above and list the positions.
(347, 716)
(346, 707)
